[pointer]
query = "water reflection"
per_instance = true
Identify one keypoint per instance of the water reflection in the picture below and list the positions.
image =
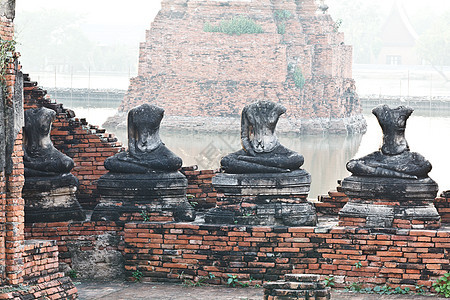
(325, 156)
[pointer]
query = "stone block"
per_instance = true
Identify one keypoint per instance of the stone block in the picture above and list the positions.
(162, 193)
(52, 199)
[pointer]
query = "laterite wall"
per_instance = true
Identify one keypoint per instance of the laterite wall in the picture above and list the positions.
(394, 257)
(163, 251)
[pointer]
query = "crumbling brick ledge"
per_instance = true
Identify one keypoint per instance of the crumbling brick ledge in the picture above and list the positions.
(176, 251)
(397, 257)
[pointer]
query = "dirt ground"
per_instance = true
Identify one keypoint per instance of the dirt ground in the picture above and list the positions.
(170, 291)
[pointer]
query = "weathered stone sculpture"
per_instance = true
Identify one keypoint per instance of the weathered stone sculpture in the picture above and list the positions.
(263, 183)
(261, 151)
(391, 187)
(146, 152)
(49, 189)
(145, 178)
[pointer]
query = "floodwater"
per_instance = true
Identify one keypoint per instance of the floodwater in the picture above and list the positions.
(325, 155)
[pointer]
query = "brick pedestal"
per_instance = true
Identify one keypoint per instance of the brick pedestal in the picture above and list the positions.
(154, 196)
(263, 199)
(297, 286)
(389, 203)
(52, 199)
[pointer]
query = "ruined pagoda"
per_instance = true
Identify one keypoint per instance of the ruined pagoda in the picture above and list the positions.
(203, 75)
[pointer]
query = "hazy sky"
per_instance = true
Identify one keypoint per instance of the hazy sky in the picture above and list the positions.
(109, 19)
(130, 18)
(100, 11)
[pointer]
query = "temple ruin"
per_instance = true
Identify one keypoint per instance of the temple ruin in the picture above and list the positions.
(203, 61)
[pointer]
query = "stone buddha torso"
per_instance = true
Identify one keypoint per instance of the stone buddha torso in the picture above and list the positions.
(41, 158)
(261, 151)
(394, 158)
(146, 152)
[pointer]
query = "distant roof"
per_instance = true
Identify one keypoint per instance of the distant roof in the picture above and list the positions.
(397, 30)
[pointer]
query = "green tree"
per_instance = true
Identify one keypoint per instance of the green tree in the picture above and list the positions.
(54, 38)
(434, 45)
(361, 25)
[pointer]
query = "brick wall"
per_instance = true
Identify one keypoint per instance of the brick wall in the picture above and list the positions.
(399, 257)
(92, 249)
(86, 144)
(200, 191)
(40, 258)
(194, 73)
(443, 207)
(14, 217)
(32, 263)
(163, 251)
(11, 205)
(332, 203)
(41, 274)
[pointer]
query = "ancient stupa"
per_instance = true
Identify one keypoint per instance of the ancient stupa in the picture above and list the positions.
(204, 60)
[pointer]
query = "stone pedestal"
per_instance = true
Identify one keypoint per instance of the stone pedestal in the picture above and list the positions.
(263, 199)
(154, 196)
(297, 286)
(51, 199)
(389, 202)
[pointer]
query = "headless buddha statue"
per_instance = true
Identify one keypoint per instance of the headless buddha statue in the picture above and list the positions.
(394, 158)
(41, 158)
(146, 152)
(261, 151)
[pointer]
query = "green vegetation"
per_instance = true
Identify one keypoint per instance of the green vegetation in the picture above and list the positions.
(384, 290)
(281, 28)
(358, 265)
(233, 281)
(7, 49)
(235, 26)
(282, 14)
(201, 280)
(442, 285)
(434, 45)
(72, 273)
(361, 27)
(137, 276)
(10, 289)
(337, 25)
(299, 80)
(190, 199)
(51, 38)
(329, 281)
(145, 215)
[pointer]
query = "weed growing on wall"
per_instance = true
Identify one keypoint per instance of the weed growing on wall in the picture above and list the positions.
(337, 25)
(329, 281)
(145, 215)
(11, 289)
(235, 26)
(7, 49)
(357, 287)
(282, 14)
(442, 285)
(299, 80)
(199, 281)
(281, 28)
(72, 274)
(137, 276)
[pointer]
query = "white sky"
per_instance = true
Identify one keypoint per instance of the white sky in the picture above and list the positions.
(138, 14)
(100, 11)
(128, 18)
